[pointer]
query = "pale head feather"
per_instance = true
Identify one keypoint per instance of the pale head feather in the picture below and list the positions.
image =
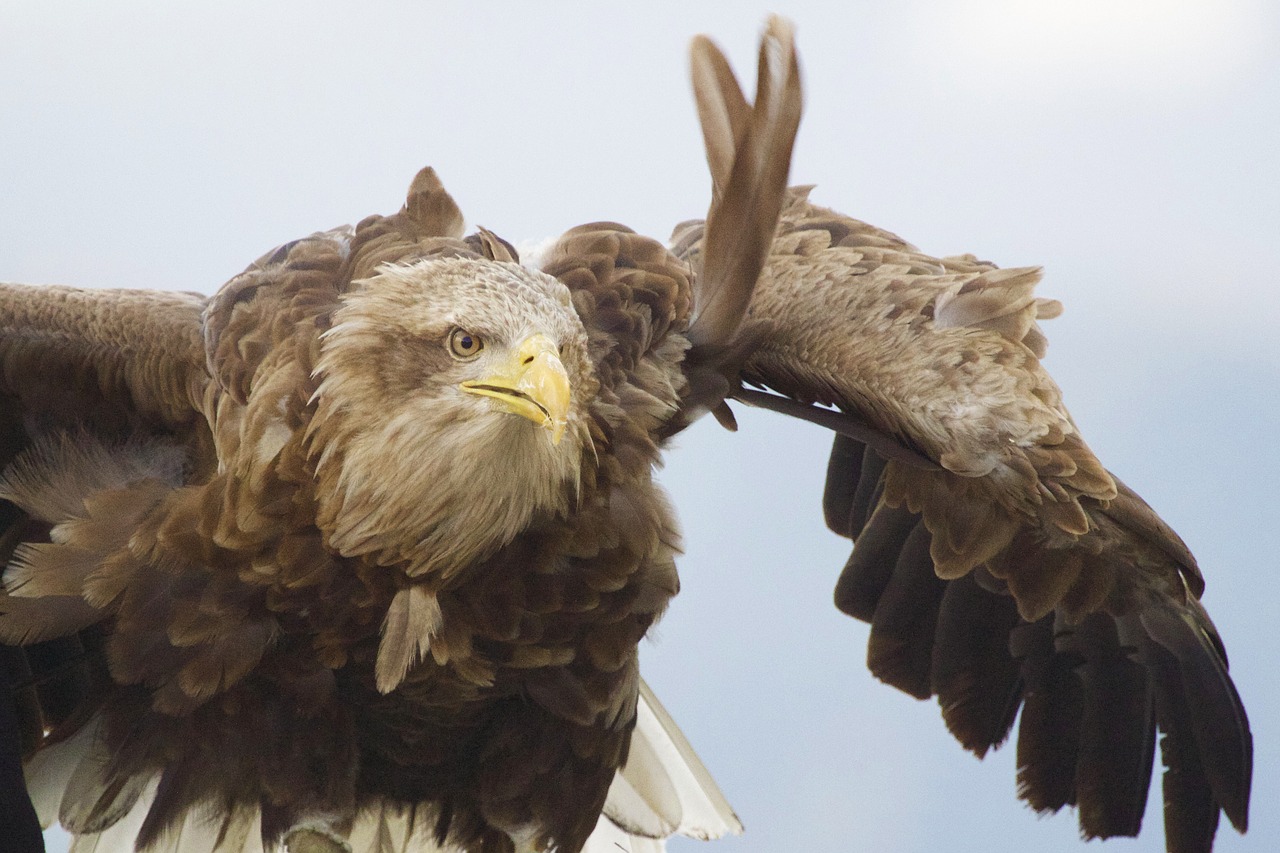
(412, 469)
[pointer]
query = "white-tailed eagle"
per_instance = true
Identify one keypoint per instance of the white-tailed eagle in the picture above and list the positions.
(357, 553)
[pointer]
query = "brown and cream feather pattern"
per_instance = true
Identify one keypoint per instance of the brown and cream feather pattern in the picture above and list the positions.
(999, 564)
(371, 530)
(283, 571)
(301, 597)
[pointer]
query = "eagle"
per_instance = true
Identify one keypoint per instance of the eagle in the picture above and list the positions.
(356, 554)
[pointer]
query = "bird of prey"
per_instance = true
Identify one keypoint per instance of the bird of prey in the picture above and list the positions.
(357, 553)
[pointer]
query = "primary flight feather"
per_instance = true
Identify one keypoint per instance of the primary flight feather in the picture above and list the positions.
(358, 551)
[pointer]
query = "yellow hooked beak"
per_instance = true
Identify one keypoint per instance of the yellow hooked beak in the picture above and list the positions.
(533, 383)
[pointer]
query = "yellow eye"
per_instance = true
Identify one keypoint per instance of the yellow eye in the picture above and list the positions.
(464, 345)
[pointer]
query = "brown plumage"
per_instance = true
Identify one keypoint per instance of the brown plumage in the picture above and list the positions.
(360, 549)
(997, 561)
(371, 530)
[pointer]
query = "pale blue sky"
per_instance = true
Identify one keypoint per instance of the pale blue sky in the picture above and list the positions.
(1129, 147)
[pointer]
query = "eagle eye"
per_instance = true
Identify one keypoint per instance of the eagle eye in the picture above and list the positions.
(464, 345)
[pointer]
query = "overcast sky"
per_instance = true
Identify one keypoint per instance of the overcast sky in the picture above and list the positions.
(1132, 148)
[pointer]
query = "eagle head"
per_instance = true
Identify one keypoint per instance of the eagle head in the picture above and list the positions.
(450, 411)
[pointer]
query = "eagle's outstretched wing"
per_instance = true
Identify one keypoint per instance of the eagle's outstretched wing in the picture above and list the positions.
(999, 563)
(129, 366)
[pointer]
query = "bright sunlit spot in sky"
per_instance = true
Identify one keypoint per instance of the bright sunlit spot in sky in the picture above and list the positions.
(1134, 47)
